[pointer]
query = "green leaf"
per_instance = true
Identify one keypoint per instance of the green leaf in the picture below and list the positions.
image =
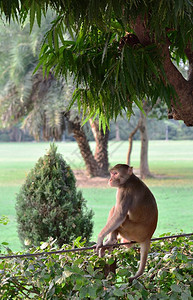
(130, 297)
(93, 291)
(118, 292)
(50, 39)
(60, 33)
(32, 14)
(5, 243)
(84, 292)
(38, 14)
(176, 288)
(123, 272)
(56, 42)
(182, 257)
(110, 261)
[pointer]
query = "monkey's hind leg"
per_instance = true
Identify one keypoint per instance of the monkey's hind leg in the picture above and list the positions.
(144, 249)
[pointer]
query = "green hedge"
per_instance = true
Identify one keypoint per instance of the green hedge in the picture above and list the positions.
(168, 274)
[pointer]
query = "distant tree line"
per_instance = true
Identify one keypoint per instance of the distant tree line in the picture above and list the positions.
(157, 130)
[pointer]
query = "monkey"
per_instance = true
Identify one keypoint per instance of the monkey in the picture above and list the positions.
(134, 216)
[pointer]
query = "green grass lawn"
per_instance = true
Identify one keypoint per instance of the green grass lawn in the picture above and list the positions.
(173, 188)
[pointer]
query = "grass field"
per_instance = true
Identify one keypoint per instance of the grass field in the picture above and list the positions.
(171, 161)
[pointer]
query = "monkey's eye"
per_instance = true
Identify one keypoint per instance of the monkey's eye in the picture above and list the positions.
(115, 173)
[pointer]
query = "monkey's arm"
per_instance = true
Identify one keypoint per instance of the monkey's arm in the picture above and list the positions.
(114, 223)
(119, 216)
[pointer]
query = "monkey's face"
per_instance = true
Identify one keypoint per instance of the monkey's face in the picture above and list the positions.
(119, 175)
(117, 179)
(114, 180)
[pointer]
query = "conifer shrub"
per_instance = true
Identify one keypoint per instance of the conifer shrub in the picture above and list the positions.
(48, 204)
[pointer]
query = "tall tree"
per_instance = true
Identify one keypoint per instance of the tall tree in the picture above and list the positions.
(108, 79)
(24, 96)
(41, 102)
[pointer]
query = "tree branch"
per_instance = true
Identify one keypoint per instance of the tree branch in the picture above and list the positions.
(142, 31)
(183, 108)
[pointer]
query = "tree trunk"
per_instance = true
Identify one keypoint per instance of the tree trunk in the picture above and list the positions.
(182, 109)
(101, 150)
(128, 159)
(144, 167)
(96, 165)
(83, 144)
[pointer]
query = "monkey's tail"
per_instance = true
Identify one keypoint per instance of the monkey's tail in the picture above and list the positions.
(144, 249)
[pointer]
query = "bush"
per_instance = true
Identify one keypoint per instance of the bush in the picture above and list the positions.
(48, 204)
(72, 275)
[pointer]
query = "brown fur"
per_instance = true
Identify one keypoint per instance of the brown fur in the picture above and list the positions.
(134, 216)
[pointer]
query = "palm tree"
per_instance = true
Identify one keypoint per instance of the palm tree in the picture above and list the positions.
(23, 95)
(41, 102)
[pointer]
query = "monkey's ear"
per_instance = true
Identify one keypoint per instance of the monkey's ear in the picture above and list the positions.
(130, 170)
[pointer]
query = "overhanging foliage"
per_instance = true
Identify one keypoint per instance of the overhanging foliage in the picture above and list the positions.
(108, 80)
(109, 77)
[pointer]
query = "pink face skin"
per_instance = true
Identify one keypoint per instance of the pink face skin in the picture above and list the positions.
(115, 178)
(119, 177)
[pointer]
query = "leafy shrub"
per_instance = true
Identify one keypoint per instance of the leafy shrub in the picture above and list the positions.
(79, 275)
(48, 204)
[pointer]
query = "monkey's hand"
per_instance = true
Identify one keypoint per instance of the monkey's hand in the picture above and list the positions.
(101, 250)
(108, 242)
(98, 245)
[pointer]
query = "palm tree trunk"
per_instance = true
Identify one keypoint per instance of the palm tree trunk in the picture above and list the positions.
(101, 150)
(83, 144)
